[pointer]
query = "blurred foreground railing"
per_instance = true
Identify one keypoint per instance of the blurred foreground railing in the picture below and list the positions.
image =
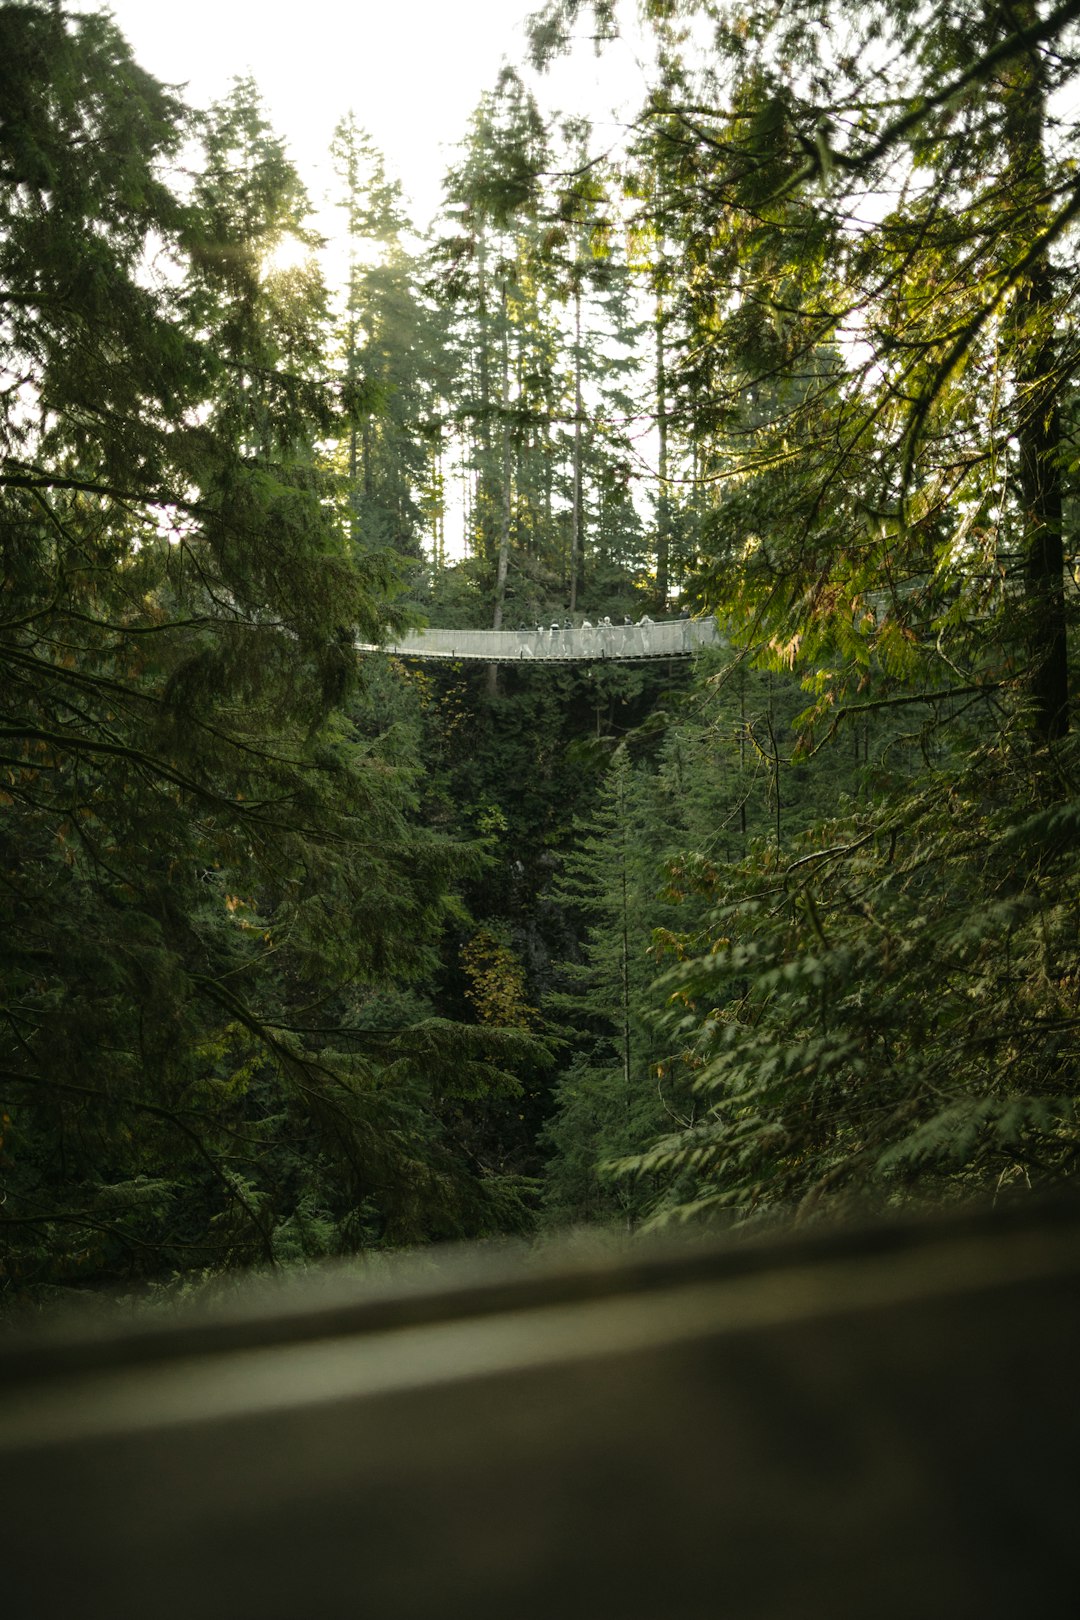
(866, 1425)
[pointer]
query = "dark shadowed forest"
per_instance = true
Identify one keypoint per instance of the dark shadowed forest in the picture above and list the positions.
(306, 951)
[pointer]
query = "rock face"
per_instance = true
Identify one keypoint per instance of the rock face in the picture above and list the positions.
(876, 1423)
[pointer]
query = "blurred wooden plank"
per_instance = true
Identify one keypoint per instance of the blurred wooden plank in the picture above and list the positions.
(865, 1424)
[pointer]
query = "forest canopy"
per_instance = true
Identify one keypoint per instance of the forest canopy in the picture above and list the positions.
(311, 952)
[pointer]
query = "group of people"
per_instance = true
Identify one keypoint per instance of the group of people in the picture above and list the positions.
(605, 623)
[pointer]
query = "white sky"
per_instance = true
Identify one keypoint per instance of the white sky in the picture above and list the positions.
(411, 70)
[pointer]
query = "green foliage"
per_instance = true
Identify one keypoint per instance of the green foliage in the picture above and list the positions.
(613, 1092)
(540, 333)
(211, 865)
(496, 982)
(889, 1013)
(860, 230)
(276, 923)
(390, 354)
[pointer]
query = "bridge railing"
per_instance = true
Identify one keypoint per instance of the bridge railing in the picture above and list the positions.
(870, 1424)
(678, 638)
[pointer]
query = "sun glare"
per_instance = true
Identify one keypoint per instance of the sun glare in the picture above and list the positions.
(288, 253)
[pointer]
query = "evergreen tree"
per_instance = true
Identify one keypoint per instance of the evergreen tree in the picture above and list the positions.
(872, 215)
(589, 278)
(612, 1095)
(479, 273)
(212, 875)
(389, 351)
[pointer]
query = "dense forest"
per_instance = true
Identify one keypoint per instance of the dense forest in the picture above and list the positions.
(309, 952)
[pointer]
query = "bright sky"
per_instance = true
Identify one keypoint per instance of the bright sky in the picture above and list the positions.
(411, 70)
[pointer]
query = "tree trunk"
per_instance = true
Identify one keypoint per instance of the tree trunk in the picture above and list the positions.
(505, 480)
(576, 528)
(505, 497)
(1037, 392)
(663, 514)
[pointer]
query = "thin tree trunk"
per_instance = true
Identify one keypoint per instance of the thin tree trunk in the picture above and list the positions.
(506, 496)
(625, 988)
(484, 472)
(576, 534)
(354, 515)
(663, 513)
(365, 448)
(1037, 390)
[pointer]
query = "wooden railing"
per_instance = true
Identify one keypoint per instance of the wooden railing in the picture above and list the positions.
(877, 1425)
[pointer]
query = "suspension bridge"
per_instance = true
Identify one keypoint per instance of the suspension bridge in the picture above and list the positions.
(559, 643)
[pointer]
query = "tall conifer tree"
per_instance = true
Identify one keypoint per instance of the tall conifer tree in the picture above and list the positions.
(205, 866)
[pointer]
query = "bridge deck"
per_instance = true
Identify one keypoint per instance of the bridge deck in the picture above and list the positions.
(678, 638)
